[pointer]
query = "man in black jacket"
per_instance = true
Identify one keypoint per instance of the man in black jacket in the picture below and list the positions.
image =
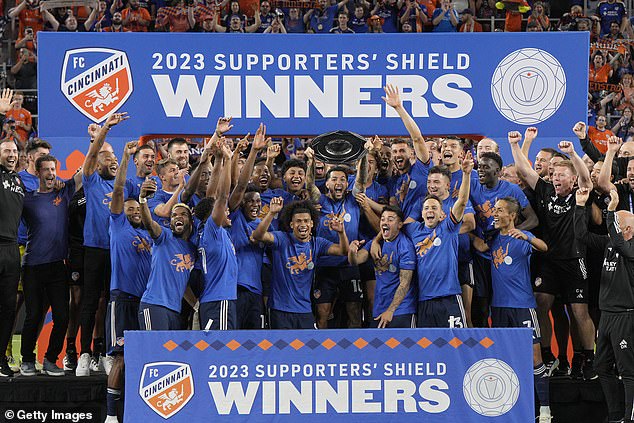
(615, 343)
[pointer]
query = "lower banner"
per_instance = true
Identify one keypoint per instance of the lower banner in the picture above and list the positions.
(389, 375)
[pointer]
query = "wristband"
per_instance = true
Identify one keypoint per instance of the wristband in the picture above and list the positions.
(142, 200)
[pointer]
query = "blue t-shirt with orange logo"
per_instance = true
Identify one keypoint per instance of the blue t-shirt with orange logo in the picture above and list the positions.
(510, 272)
(130, 256)
(398, 255)
(410, 187)
(160, 197)
(293, 269)
(484, 199)
(348, 210)
(98, 192)
(248, 254)
(220, 266)
(46, 219)
(31, 183)
(436, 258)
(172, 261)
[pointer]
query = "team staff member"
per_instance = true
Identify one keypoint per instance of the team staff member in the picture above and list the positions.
(513, 304)
(616, 301)
(46, 216)
(394, 296)
(563, 268)
(293, 261)
(130, 259)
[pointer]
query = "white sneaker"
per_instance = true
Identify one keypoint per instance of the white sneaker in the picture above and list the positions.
(544, 415)
(111, 419)
(83, 366)
(106, 361)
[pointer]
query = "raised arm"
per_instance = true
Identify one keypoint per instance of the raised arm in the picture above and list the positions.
(116, 205)
(529, 136)
(15, 12)
(362, 175)
(584, 180)
(523, 166)
(605, 175)
(90, 162)
(154, 229)
(259, 143)
(341, 249)
(587, 238)
(261, 233)
(586, 145)
(219, 212)
(192, 185)
(223, 125)
(165, 209)
(614, 228)
(465, 186)
(393, 99)
(310, 175)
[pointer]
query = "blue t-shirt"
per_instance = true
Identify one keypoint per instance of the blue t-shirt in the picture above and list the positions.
(358, 25)
(510, 272)
(31, 183)
(130, 256)
(220, 267)
(377, 193)
(610, 13)
(390, 17)
(135, 182)
(410, 187)
(464, 245)
(445, 24)
(293, 269)
(249, 254)
(161, 197)
(266, 198)
(437, 258)
(98, 193)
(348, 210)
(46, 219)
(172, 262)
(399, 255)
(484, 199)
(321, 23)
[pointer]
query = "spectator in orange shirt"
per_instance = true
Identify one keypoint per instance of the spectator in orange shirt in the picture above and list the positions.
(116, 24)
(539, 16)
(599, 135)
(468, 23)
(28, 14)
(599, 70)
(174, 18)
(22, 118)
(28, 42)
(135, 17)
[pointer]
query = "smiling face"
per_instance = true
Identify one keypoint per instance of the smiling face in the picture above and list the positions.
(180, 221)
(132, 210)
(144, 161)
(601, 122)
(432, 212)
(170, 178)
(320, 169)
(451, 152)
(502, 216)
(337, 184)
(302, 226)
(594, 174)
(385, 159)
(107, 164)
(438, 185)
(47, 174)
(486, 145)
(541, 163)
(295, 178)
(401, 154)
(180, 153)
(488, 172)
(391, 225)
(251, 205)
(598, 61)
(563, 179)
(261, 176)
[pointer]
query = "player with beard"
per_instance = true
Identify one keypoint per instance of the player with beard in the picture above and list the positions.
(513, 304)
(99, 171)
(334, 277)
(45, 214)
(395, 296)
(144, 161)
(136, 18)
(616, 300)
(178, 150)
(410, 185)
(130, 255)
(563, 269)
(173, 256)
(294, 252)
(116, 24)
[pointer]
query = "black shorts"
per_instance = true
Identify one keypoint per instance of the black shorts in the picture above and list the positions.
(400, 321)
(506, 317)
(250, 309)
(465, 273)
(286, 320)
(615, 343)
(366, 271)
(122, 314)
(568, 278)
(155, 317)
(76, 266)
(344, 279)
(218, 315)
(481, 277)
(443, 312)
(267, 276)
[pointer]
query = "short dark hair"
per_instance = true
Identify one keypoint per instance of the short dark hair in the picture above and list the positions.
(514, 205)
(36, 143)
(493, 156)
(336, 169)
(296, 207)
(260, 160)
(394, 209)
(549, 150)
(251, 188)
(432, 197)
(163, 164)
(46, 158)
(402, 141)
(175, 141)
(562, 155)
(203, 209)
(143, 147)
(441, 169)
(293, 163)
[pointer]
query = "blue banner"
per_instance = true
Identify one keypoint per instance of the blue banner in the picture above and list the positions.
(482, 84)
(395, 375)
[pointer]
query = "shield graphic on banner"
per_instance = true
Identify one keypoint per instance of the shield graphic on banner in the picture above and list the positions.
(97, 81)
(166, 387)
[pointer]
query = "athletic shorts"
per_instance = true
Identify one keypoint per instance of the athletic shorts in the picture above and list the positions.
(443, 312)
(76, 266)
(400, 321)
(366, 271)
(155, 317)
(249, 309)
(568, 278)
(122, 314)
(481, 276)
(267, 276)
(465, 273)
(218, 315)
(614, 343)
(344, 280)
(285, 320)
(506, 317)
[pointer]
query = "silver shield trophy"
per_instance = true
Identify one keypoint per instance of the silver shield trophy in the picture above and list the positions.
(339, 147)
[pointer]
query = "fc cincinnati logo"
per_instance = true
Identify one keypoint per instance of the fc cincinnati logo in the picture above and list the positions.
(166, 387)
(97, 81)
(528, 86)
